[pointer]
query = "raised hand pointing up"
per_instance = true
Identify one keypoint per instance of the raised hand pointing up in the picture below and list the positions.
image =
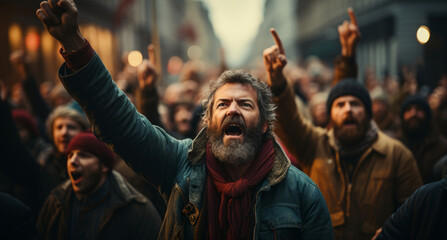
(275, 60)
(349, 35)
(147, 71)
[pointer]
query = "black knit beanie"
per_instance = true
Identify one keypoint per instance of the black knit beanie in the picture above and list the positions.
(416, 99)
(352, 87)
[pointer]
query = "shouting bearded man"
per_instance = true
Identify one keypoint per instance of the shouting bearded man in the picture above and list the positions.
(232, 182)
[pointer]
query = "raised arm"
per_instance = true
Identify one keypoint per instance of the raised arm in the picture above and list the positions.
(297, 134)
(147, 95)
(349, 35)
(146, 148)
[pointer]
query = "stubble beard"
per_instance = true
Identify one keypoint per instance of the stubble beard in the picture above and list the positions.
(235, 153)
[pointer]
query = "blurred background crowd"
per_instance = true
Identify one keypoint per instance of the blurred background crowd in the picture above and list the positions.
(402, 52)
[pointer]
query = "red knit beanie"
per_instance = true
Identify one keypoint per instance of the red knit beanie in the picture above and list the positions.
(25, 119)
(88, 142)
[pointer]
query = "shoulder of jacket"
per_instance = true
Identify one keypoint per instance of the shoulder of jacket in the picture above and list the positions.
(128, 192)
(386, 144)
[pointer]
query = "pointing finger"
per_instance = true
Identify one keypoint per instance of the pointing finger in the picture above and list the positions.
(151, 53)
(352, 16)
(277, 41)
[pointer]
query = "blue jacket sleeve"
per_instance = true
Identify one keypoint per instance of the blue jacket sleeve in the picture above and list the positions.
(148, 149)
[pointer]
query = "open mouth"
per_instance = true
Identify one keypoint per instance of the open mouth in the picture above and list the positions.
(233, 130)
(76, 176)
(65, 141)
(349, 122)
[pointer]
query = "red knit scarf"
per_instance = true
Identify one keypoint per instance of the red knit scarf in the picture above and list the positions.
(230, 203)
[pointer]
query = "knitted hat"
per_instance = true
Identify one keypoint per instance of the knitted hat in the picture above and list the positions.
(416, 99)
(25, 119)
(88, 142)
(352, 87)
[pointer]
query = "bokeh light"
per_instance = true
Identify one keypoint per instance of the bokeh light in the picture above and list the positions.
(423, 34)
(194, 52)
(135, 58)
(15, 36)
(175, 65)
(32, 40)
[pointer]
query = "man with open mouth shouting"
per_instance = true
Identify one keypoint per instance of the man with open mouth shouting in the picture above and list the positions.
(233, 181)
(97, 202)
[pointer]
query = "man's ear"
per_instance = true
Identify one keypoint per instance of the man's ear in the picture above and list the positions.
(265, 126)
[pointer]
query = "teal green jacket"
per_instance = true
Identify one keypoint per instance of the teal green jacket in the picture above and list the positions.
(288, 204)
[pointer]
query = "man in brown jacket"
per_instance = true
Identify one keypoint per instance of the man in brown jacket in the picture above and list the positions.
(364, 175)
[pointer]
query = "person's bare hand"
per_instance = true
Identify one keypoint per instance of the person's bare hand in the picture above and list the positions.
(20, 62)
(275, 60)
(349, 35)
(378, 231)
(60, 18)
(147, 71)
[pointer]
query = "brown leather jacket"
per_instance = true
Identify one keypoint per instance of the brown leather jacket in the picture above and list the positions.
(384, 177)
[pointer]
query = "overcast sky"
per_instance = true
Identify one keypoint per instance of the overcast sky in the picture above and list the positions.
(236, 23)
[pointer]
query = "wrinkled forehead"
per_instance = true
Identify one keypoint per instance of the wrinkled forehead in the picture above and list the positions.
(236, 91)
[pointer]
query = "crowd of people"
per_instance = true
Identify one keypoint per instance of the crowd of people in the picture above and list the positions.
(282, 151)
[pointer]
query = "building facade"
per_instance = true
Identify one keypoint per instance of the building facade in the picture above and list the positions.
(388, 30)
(112, 27)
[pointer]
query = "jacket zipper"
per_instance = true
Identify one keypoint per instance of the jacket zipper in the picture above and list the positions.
(348, 199)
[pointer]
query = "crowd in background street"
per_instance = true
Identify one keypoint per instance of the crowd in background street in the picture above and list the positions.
(404, 141)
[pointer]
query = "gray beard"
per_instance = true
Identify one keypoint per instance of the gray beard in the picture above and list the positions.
(235, 153)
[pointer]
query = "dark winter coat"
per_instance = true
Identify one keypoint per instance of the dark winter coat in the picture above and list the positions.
(422, 216)
(129, 214)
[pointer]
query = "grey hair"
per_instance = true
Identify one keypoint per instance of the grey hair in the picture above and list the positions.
(265, 103)
(65, 112)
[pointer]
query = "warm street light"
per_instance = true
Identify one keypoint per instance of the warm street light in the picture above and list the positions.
(135, 58)
(423, 34)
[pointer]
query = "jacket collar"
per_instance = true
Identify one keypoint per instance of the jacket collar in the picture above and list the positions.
(379, 145)
(125, 190)
(281, 163)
